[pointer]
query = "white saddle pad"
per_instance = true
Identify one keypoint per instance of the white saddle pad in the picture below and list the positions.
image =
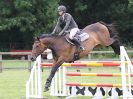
(84, 36)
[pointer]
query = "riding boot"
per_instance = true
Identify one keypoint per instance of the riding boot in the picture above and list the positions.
(78, 43)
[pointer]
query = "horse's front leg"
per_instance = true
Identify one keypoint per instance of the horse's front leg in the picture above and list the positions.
(55, 67)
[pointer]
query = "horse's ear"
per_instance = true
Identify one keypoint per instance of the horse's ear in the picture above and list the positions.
(36, 38)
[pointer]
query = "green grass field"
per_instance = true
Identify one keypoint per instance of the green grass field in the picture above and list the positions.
(12, 82)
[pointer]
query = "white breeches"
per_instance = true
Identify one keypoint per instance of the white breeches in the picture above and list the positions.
(73, 33)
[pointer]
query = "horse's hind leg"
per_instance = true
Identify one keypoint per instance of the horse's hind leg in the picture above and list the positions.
(116, 46)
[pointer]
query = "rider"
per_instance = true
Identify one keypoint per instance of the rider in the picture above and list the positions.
(65, 24)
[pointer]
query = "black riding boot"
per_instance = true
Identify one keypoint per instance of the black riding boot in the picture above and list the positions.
(78, 43)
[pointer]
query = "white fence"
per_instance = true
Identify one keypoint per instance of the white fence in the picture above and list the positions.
(34, 84)
(59, 87)
(126, 89)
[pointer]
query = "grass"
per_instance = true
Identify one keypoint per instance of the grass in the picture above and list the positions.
(12, 82)
(15, 63)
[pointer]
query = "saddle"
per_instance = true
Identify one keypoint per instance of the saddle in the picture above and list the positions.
(81, 36)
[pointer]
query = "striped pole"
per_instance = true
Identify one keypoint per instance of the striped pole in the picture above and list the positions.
(93, 64)
(97, 74)
(101, 62)
(95, 85)
(84, 64)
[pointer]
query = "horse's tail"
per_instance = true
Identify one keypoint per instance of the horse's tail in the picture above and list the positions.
(113, 34)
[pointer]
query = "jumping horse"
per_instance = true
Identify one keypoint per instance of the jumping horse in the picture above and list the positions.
(100, 34)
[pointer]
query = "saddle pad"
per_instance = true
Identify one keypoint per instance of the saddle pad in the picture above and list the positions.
(84, 36)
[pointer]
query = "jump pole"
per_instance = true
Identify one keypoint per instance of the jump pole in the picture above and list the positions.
(106, 64)
(97, 74)
(87, 64)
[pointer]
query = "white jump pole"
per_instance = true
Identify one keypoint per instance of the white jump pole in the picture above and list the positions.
(34, 84)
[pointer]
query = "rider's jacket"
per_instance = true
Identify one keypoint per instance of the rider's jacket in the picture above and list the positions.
(65, 23)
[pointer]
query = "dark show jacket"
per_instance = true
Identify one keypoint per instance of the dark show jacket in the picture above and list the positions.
(65, 24)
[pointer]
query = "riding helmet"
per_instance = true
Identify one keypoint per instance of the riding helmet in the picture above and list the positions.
(62, 8)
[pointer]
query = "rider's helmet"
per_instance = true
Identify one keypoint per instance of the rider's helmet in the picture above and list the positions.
(62, 8)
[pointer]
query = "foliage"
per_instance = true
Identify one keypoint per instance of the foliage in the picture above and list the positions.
(27, 15)
(21, 20)
(119, 12)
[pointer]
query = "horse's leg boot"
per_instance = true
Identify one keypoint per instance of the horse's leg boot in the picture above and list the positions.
(46, 89)
(47, 85)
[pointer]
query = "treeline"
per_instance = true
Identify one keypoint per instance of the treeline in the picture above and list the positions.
(21, 20)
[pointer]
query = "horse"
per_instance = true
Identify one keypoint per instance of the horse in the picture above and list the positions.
(100, 34)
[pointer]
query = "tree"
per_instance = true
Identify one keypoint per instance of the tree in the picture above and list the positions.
(119, 12)
(22, 19)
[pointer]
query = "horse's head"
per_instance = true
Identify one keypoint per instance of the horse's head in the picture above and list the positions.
(37, 49)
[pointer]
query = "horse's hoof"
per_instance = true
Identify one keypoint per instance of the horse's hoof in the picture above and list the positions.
(46, 89)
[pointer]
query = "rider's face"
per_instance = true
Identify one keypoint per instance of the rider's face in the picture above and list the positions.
(61, 13)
